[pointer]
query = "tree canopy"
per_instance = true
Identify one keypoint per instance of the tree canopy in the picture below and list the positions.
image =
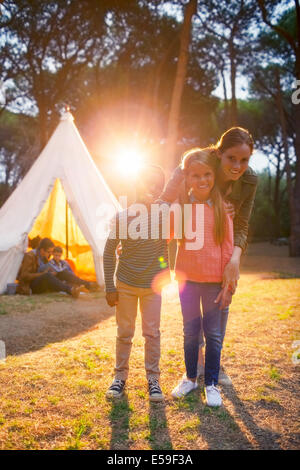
(129, 69)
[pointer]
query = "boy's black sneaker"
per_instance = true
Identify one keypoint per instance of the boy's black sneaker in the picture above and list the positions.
(116, 390)
(155, 393)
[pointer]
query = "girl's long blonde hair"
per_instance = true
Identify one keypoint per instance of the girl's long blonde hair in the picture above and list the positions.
(208, 156)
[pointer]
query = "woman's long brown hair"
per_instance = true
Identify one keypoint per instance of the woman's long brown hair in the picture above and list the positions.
(208, 156)
(234, 136)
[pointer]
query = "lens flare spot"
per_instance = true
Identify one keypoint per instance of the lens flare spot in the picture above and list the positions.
(161, 280)
(181, 279)
(129, 162)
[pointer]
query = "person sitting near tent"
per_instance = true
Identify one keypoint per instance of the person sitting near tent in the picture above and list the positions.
(63, 270)
(34, 275)
(57, 263)
(33, 243)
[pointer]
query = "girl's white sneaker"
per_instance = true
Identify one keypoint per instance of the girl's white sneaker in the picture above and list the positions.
(213, 396)
(183, 388)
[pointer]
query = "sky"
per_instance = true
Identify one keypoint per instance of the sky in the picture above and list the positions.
(258, 161)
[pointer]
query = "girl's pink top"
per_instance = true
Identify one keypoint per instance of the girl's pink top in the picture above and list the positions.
(203, 261)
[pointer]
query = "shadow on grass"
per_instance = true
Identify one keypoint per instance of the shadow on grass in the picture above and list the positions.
(36, 321)
(265, 439)
(119, 416)
(159, 437)
(215, 426)
(220, 429)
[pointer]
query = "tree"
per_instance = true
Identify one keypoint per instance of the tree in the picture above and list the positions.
(230, 23)
(265, 224)
(174, 113)
(257, 115)
(47, 46)
(17, 149)
(291, 37)
(137, 84)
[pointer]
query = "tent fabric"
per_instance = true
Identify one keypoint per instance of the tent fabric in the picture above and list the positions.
(63, 230)
(64, 171)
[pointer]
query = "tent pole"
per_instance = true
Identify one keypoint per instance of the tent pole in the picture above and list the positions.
(67, 231)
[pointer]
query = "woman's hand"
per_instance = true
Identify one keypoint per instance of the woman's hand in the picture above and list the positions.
(229, 208)
(231, 273)
(224, 297)
(231, 276)
(112, 298)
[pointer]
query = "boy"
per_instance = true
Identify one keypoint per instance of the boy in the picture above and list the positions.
(64, 272)
(139, 263)
(57, 263)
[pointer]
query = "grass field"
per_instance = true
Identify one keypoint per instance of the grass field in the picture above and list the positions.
(61, 357)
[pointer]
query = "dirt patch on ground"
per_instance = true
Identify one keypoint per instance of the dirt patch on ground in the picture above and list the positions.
(29, 323)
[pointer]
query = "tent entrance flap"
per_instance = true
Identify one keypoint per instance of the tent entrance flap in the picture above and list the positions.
(56, 221)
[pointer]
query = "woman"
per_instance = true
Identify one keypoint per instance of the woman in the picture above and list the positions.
(237, 183)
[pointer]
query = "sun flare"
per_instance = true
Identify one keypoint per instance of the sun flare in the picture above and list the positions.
(129, 161)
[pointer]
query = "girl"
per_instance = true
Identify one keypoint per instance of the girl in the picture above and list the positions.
(202, 270)
(237, 183)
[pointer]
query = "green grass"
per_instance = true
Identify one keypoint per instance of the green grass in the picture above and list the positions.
(188, 403)
(287, 314)
(54, 400)
(274, 373)
(190, 425)
(3, 311)
(157, 423)
(120, 409)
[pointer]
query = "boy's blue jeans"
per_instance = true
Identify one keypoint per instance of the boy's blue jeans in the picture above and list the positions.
(214, 326)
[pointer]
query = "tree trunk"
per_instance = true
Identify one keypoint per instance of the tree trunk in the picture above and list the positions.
(276, 199)
(42, 107)
(294, 193)
(292, 205)
(233, 108)
(226, 107)
(295, 241)
(43, 126)
(172, 132)
(159, 72)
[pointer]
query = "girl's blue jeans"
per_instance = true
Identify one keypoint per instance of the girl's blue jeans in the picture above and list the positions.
(214, 326)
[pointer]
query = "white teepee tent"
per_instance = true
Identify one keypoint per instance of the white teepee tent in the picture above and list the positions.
(63, 172)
